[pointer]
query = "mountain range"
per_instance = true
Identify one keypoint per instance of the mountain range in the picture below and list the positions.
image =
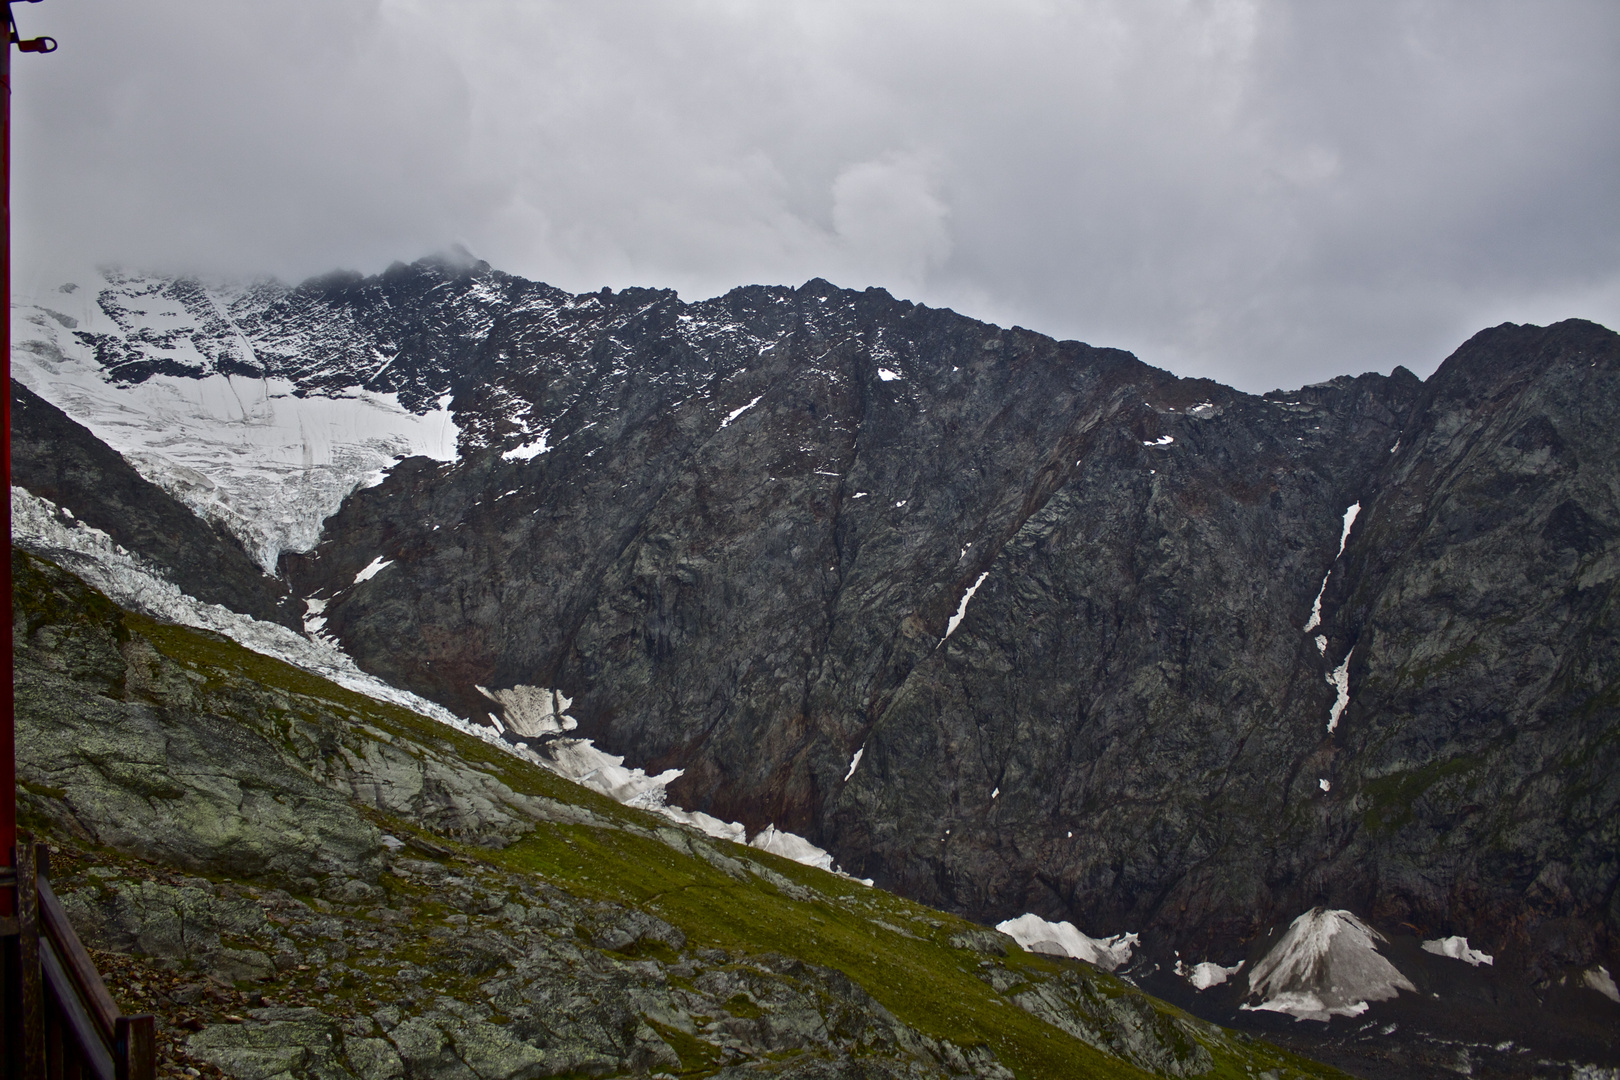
(1006, 625)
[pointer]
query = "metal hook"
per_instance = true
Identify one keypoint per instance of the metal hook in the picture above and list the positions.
(39, 45)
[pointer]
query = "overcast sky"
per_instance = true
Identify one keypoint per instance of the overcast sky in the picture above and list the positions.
(1264, 193)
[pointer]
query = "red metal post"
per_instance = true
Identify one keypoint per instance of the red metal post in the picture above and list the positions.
(8, 731)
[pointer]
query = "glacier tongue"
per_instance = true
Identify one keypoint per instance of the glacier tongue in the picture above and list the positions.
(256, 455)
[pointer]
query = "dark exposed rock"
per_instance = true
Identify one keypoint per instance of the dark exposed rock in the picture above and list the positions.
(759, 516)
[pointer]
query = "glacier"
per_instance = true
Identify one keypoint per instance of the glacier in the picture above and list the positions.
(268, 460)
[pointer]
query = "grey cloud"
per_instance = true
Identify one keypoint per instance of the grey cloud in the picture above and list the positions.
(1265, 193)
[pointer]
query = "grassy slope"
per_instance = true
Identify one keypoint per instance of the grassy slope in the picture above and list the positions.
(897, 950)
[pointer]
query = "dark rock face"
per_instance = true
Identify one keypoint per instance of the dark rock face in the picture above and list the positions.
(1055, 598)
(1478, 761)
(743, 553)
(60, 460)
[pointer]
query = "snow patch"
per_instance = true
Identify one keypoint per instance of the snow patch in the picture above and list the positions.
(854, 761)
(1325, 785)
(791, 846)
(734, 413)
(886, 375)
(1340, 681)
(1351, 512)
(1457, 948)
(1208, 973)
(532, 711)
(372, 569)
(1316, 609)
(1326, 964)
(961, 609)
(1037, 935)
(529, 450)
(1162, 440)
(1599, 979)
(581, 761)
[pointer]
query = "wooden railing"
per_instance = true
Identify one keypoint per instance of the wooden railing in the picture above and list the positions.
(59, 1021)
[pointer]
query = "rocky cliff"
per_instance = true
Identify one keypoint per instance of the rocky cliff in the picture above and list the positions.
(1056, 599)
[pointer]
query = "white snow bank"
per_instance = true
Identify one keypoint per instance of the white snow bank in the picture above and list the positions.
(1035, 934)
(1162, 440)
(961, 609)
(854, 761)
(720, 830)
(1599, 979)
(533, 710)
(886, 375)
(1457, 948)
(1208, 973)
(1351, 512)
(791, 846)
(738, 412)
(372, 569)
(1326, 964)
(1316, 610)
(582, 762)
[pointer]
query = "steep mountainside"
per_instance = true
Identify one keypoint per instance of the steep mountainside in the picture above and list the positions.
(1006, 624)
(383, 897)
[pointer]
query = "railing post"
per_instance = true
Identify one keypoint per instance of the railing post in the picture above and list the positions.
(135, 1052)
(31, 1054)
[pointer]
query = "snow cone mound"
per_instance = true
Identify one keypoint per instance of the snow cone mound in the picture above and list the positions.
(1326, 964)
